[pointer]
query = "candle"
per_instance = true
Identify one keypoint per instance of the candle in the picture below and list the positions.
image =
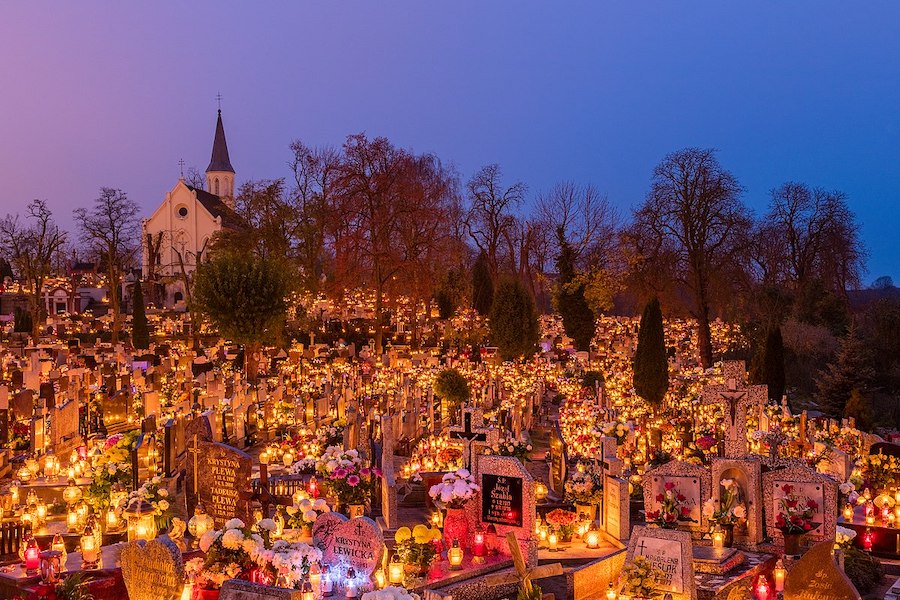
(762, 588)
(32, 557)
(395, 570)
(380, 581)
(89, 549)
(592, 539)
(552, 541)
(478, 548)
(848, 513)
(780, 572)
(455, 556)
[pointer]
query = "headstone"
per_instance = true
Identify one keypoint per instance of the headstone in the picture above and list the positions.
(223, 481)
(23, 404)
(152, 570)
(238, 589)
(816, 577)
(804, 483)
(356, 541)
(506, 501)
(116, 409)
(670, 552)
(836, 463)
(690, 480)
(558, 461)
(616, 519)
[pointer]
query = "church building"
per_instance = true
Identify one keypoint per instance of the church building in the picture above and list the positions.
(177, 236)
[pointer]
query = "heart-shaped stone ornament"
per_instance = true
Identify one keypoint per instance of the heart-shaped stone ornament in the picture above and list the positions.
(153, 570)
(357, 542)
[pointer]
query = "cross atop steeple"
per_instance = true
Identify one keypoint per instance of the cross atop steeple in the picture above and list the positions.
(219, 101)
(181, 166)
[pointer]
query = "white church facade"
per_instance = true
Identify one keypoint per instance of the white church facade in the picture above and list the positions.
(177, 236)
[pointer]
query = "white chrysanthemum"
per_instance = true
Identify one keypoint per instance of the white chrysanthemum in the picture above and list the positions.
(267, 524)
(232, 539)
(207, 539)
(234, 524)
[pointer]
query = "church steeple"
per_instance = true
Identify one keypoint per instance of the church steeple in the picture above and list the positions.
(220, 173)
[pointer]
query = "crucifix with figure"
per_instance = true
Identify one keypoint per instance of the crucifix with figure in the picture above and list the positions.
(735, 398)
(473, 435)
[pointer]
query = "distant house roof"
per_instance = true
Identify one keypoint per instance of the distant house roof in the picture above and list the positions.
(84, 267)
(219, 160)
(217, 208)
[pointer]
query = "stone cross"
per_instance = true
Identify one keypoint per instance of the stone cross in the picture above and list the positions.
(473, 434)
(735, 398)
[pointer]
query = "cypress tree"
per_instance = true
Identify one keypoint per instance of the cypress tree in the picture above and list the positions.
(773, 363)
(577, 317)
(140, 334)
(651, 368)
(514, 321)
(852, 369)
(482, 286)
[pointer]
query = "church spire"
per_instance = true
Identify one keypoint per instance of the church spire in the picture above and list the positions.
(220, 173)
(219, 160)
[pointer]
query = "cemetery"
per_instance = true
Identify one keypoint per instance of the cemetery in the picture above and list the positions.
(158, 474)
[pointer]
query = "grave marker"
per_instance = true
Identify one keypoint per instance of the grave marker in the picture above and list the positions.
(670, 552)
(223, 482)
(153, 570)
(356, 541)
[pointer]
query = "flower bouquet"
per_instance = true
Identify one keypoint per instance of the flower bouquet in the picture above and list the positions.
(416, 548)
(729, 511)
(455, 489)
(112, 466)
(344, 477)
(158, 497)
(672, 508)
(512, 447)
(288, 564)
(303, 514)
(584, 488)
(640, 579)
(230, 550)
(563, 523)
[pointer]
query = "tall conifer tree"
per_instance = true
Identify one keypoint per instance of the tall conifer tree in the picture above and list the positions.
(651, 367)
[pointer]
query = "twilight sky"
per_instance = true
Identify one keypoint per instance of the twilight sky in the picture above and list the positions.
(115, 93)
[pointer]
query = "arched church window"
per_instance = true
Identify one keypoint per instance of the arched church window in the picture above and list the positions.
(217, 187)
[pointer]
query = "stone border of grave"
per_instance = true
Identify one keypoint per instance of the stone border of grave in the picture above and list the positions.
(752, 470)
(801, 474)
(677, 468)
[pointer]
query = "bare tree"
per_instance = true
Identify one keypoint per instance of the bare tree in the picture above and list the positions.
(694, 222)
(490, 217)
(820, 236)
(110, 229)
(32, 248)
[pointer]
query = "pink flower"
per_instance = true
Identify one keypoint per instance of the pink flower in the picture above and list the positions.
(340, 473)
(365, 471)
(353, 480)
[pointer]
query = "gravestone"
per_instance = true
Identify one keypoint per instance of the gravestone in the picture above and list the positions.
(816, 577)
(238, 589)
(670, 552)
(223, 481)
(558, 461)
(616, 517)
(23, 405)
(65, 425)
(506, 501)
(116, 409)
(735, 398)
(693, 481)
(356, 541)
(152, 570)
(805, 483)
(836, 463)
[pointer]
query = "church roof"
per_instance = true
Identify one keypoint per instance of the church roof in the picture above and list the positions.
(219, 160)
(214, 205)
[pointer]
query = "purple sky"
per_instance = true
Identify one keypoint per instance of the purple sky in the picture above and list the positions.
(114, 94)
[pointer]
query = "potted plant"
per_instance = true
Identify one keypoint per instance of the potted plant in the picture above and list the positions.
(563, 523)
(454, 490)
(794, 518)
(585, 491)
(346, 479)
(727, 512)
(416, 548)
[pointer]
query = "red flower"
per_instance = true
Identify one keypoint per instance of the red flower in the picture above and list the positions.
(680, 497)
(812, 504)
(788, 489)
(807, 526)
(685, 511)
(670, 486)
(670, 517)
(660, 497)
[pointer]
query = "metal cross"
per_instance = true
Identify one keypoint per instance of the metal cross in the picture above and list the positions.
(219, 100)
(181, 165)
